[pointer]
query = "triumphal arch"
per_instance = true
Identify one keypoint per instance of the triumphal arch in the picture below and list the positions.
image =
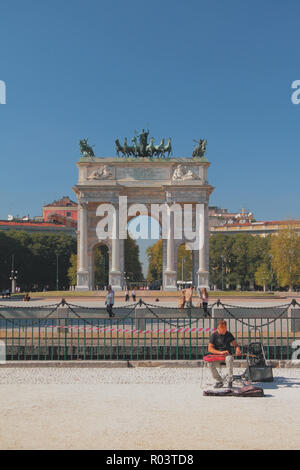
(143, 179)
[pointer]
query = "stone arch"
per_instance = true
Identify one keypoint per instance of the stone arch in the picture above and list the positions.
(142, 182)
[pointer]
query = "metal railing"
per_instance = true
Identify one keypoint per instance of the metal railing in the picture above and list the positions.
(142, 331)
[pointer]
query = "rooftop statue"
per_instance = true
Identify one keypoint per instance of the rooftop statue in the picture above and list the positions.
(141, 148)
(86, 149)
(200, 149)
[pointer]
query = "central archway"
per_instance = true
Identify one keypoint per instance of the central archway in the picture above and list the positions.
(147, 232)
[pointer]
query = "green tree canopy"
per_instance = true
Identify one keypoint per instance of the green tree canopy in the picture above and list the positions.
(285, 250)
(184, 260)
(263, 275)
(133, 267)
(236, 258)
(36, 256)
(155, 262)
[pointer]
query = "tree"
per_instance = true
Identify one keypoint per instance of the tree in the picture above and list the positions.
(222, 246)
(263, 275)
(155, 259)
(72, 271)
(285, 250)
(184, 257)
(132, 263)
(35, 258)
(235, 258)
(101, 266)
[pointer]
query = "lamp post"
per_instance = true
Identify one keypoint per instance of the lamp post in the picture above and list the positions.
(182, 271)
(126, 277)
(13, 275)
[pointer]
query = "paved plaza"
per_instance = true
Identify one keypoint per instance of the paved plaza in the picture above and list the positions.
(93, 302)
(142, 408)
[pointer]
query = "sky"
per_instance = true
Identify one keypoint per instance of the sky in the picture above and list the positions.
(186, 69)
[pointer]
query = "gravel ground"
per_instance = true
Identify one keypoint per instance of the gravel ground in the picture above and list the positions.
(142, 408)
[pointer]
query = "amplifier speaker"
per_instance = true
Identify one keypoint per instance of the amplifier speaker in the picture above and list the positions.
(260, 374)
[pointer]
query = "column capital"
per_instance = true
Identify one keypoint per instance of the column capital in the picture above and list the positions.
(83, 204)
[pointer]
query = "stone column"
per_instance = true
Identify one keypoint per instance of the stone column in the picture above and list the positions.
(170, 273)
(115, 273)
(203, 271)
(83, 273)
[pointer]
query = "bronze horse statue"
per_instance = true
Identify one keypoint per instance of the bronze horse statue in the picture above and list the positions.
(86, 149)
(119, 147)
(141, 148)
(200, 149)
(150, 149)
(160, 149)
(168, 147)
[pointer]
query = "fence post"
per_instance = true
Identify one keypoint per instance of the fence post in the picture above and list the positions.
(294, 318)
(294, 327)
(140, 320)
(62, 318)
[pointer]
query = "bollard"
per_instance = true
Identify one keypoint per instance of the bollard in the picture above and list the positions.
(62, 318)
(294, 319)
(140, 320)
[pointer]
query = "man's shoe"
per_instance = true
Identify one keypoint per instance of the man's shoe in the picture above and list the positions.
(218, 385)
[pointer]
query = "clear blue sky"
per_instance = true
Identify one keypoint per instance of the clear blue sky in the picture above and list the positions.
(188, 69)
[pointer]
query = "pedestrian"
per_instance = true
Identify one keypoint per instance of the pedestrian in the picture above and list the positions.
(133, 294)
(204, 299)
(127, 295)
(110, 301)
(181, 301)
(189, 296)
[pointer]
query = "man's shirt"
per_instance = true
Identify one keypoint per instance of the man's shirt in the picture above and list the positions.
(222, 342)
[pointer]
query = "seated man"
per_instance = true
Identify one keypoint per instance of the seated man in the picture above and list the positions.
(220, 344)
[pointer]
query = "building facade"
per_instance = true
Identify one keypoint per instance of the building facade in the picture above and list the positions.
(262, 228)
(63, 211)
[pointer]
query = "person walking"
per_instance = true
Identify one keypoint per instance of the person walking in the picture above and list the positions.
(204, 299)
(189, 296)
(133, 295)
(110, 297)
(127, 295)
(181, 300)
